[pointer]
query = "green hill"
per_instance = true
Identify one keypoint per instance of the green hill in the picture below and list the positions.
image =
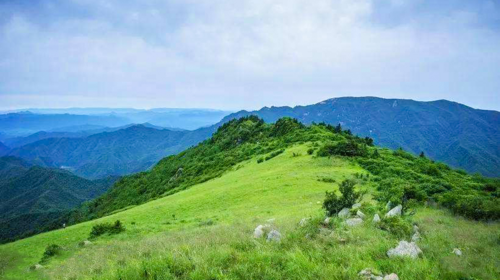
(33, 197)
(446, 131)
(193, 215)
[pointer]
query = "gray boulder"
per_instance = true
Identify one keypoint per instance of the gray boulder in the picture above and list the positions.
(303, 222)
(370, 274)
(36, 267)
(376, 219)
(457, 252)
(396, 211)
(354, 222)
(360, 214)
(260, 231)
(415, 237)
(405, 249)
(392, 276)
(273, 236)
(356, 206)
(344, 213)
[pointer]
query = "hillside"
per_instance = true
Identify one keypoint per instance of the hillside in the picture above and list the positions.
(446, 131)
(125, 151)
(33, 196)
(198, 223)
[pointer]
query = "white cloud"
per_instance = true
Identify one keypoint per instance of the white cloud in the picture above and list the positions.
(249, 53)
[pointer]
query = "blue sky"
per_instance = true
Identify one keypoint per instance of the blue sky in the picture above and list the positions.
(246, 54)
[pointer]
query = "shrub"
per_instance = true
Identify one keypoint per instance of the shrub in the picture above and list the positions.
(349, 149)
(100, 229)
(50, 251)
(260, 160)
(396, 226)
(333, 203)
(274, 154)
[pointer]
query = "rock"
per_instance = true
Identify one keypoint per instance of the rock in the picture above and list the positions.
(457, 252)
(376, 219)
(327, 221)
(273, 236)
(360, 214)
(303, 222)
(392, 276)
(388, 205)
(36, 267)
(415, 228)
(86, 243)
(369, 274)
(405, 249)
(354, 222)
(396, 211)
(325, 231)
(356, 206)
(344, 213)
(260, 231)
(415, 237)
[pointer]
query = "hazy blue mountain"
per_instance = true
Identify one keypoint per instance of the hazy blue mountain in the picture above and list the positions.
(446, 131)
(165, 117)
(25, 123)
(120, 152)
(33, 196)
(3, 149)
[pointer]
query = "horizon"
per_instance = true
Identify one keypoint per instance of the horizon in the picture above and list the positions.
(20, 110)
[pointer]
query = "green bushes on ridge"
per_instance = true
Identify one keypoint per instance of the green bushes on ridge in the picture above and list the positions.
(106, 228)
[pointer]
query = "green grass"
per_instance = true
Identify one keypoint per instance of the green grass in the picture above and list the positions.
(205, 232)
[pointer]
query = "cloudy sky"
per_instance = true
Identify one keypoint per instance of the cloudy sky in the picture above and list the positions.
(246, 54)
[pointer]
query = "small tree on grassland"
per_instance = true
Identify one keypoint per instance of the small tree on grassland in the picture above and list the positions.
(334, 203)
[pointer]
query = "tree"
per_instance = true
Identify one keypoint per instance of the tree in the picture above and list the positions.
(338, 128)
(422, 155)
(333, 203)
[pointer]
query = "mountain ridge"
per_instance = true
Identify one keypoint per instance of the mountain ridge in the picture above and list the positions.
(446, 131)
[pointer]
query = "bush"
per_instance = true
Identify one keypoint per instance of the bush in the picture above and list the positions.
(50, 251)
(396, 226)
(310, 151)
(260, 160)
(348, 149)
(333, 203)
(274, 154)
(108, 228)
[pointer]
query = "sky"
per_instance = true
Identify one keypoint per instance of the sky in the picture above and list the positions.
(246, 54)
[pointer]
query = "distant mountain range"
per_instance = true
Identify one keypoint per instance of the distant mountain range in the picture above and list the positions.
(21, 123)
(446, 131)
(125, 151)
(24, 123)
(3, 149)
(33, 196)
(458, 135)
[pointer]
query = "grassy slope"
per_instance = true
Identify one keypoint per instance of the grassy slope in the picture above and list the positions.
(285, 188)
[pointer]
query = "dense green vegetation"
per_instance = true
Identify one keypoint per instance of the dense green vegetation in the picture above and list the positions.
(400, 176)
(114, 153)
(35, 198)
(446, 131)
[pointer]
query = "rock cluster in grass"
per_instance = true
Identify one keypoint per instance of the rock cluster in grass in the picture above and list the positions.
(372, 274)
(405, 249)
(272, 235)
(396, 211)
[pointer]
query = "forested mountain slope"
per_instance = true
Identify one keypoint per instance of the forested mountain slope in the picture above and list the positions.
(32, 196)
(446, 131)
(124, 151)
